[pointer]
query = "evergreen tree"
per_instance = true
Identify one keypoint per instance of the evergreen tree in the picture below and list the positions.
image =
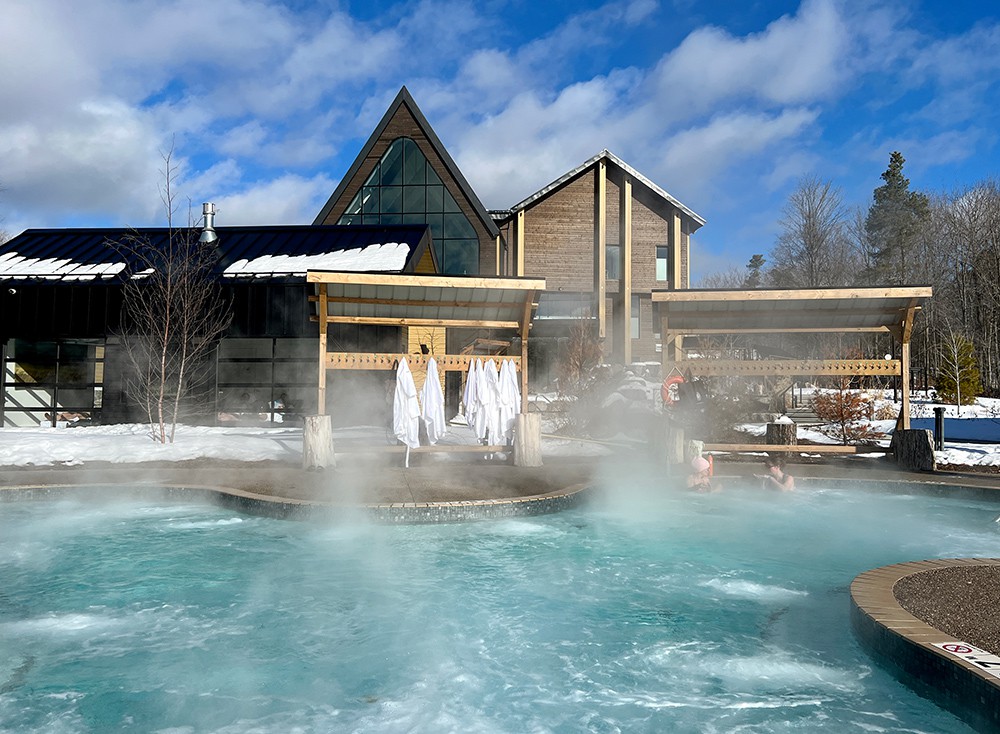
(894, 222)
(753, 276)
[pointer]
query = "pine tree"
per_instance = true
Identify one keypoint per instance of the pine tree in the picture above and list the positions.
(753, 276)
(894, 222)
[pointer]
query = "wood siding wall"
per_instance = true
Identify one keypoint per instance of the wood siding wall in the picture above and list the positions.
(403, 124)
(559, 246)
(559, 237)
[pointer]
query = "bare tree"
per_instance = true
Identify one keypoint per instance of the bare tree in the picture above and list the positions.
(813, 249)
(4, 234)
(732, 278)
(958, 378)
(174, 313)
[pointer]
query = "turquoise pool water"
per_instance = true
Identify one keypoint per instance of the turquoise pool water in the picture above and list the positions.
(650, 611)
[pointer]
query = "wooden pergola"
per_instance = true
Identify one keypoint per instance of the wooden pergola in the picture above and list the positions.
(784, 311)
(420, 301)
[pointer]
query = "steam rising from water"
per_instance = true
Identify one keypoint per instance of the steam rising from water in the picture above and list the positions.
(654, 610)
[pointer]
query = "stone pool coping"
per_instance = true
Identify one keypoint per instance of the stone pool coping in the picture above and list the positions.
(913, 648)
(289, 508)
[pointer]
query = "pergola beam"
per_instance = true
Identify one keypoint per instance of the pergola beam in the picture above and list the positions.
(813, 310)
(788, 367)
(507, 303)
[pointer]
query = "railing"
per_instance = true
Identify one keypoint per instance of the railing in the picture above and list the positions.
(788, 367)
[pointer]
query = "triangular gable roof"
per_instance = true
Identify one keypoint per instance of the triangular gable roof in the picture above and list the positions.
(404, 99)
(607, 155)
(245, 252)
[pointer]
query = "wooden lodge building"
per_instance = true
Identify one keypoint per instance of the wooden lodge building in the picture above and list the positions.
(403, 259)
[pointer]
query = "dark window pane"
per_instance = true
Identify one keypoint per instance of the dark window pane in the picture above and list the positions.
(369, 200)
(435, 198)
(437, 225)
(374, 177)
(414, 218)
(354, 207)
(392, 164)
(391, 219)
(370, 219)
(450, 205)
(413, 163)
(461, 257)
(456, 226)
(392, 200)
(413, 199)
(432, 177)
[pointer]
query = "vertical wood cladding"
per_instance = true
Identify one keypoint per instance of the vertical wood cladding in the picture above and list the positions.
(403, 124)
(559, 236)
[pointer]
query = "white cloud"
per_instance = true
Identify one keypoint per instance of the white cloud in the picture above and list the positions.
(796, 59)
(286, 200)
(100, 157)
(726, 140)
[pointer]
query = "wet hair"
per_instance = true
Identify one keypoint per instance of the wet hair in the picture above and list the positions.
(777, 461)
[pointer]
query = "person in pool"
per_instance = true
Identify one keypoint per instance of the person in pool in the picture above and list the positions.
(776, 477)
(700, 478)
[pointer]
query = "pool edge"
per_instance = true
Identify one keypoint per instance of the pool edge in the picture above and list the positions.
(906, 644)
(289, 508)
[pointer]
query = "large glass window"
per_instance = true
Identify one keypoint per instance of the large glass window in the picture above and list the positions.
(636, 305)
(662, 259)
(51, 382)
(613, 262)
(405, 189)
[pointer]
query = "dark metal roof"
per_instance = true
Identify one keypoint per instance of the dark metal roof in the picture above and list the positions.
(90, 254)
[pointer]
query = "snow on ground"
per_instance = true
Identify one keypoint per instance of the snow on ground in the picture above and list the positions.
(131, 443)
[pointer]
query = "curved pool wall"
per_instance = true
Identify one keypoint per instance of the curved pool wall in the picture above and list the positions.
(917, 651)
(295, 509)
(646, 610)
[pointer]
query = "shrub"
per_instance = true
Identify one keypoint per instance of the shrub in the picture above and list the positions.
(845, 414)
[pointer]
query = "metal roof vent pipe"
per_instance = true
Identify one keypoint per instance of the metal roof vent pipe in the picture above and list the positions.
(208, 234)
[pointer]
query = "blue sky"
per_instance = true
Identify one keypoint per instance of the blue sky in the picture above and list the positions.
(725, 105)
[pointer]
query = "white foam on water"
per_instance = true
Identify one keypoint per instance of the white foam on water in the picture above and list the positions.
(752, 590)
(523, 528)
(199, 525)
(764, 673)
(55, 624)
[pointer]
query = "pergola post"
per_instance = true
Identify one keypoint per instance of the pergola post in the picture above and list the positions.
(323, 314)
(600, 244)
(625, 240)
(525, 327)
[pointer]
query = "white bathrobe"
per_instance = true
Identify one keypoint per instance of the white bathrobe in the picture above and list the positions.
(405, 408)
(432, 404)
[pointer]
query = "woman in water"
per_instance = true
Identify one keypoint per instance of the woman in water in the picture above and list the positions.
(777, 477)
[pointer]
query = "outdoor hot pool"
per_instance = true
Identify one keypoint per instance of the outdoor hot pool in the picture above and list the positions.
(650, 610)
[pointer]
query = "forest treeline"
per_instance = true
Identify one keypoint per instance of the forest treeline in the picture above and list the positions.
(950, 241)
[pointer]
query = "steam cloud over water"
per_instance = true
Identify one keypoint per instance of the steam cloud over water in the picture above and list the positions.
(651, 610)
